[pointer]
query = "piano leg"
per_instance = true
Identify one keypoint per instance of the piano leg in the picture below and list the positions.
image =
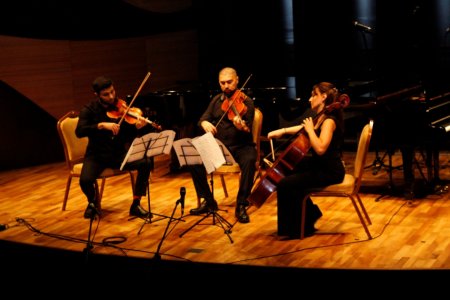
(391, 189)
(432, 182)
(438, 186)
(408, 172)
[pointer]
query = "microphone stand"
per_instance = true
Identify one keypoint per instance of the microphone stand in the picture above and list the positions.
(181, 202)
(89, 246)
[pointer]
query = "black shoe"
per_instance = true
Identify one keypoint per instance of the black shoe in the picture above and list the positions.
(140, 212)
(311, 219)
(205, 207)
(241, 214)
(91, 211)
(316, 214)
(309, 231)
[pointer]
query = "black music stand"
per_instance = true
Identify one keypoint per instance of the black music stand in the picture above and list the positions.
(211, 153)
(148, 146)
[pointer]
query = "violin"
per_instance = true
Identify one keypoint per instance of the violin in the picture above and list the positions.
(130, 114)
(236, 108)
(290, 157)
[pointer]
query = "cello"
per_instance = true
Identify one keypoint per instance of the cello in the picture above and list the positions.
(290, 158)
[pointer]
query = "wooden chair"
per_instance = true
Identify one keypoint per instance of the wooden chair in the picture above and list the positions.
(74, 151)
(224, 170)
(349, 188)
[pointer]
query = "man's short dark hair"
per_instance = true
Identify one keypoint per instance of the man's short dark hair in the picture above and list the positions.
(100, 83)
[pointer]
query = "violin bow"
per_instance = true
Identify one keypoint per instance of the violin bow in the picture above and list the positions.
(134, 97)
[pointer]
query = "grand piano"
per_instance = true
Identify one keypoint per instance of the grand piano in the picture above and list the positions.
(418, 125)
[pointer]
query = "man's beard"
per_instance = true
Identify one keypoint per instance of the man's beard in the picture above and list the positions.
(229, 93)
(109, 106)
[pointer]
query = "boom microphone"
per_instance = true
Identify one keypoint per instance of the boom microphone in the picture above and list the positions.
(363, 27)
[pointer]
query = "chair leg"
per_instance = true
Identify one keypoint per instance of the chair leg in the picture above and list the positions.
(132, 182)
(224, 186)
(361, 205)
(100, 192)
(302, 226)
(66, 194)
(361, 219)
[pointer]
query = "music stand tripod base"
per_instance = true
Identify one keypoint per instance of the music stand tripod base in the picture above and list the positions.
(148, 219)
(216, 218)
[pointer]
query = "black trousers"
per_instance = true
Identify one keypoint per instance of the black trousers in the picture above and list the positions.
(293, 188)
(245, 156)
(92, 168)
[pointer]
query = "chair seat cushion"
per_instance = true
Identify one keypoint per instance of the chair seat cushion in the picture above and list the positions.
(108, 172)
(346, 185)
(233, 168)
(77, 168)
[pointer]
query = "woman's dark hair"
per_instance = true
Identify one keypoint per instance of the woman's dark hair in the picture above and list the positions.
(100, 83)
(332, 96)
(329, 89)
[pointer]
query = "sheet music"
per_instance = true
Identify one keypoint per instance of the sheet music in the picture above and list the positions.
(186, 152)
(149, 145)
(209, 151)
(205, 150)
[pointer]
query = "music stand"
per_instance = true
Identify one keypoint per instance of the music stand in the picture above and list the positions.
(212, 153)
(148, 146)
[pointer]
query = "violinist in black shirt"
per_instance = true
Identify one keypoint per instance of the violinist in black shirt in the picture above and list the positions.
(107, 147)
(233, 132)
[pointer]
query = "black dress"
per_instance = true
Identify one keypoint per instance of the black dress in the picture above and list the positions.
(313, 171)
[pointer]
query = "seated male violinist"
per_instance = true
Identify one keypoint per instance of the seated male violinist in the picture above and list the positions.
(107, 146)
(232, 130)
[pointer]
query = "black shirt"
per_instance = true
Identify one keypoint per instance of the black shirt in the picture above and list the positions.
(103, 145)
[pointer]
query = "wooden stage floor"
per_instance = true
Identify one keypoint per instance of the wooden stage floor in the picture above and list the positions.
(407, 235)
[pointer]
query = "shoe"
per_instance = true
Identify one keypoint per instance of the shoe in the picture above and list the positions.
(312, 216)
(311, 219)
(309, 231)
(241, 214)
(205, 207)
(139, 211)
(316, 214)
(91, 211)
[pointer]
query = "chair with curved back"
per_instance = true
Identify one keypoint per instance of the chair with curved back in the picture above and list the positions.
(234, 168)
(74, 151)
(349, 187)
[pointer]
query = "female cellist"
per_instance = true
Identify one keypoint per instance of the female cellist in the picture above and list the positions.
(233, 131)
(321, 167)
